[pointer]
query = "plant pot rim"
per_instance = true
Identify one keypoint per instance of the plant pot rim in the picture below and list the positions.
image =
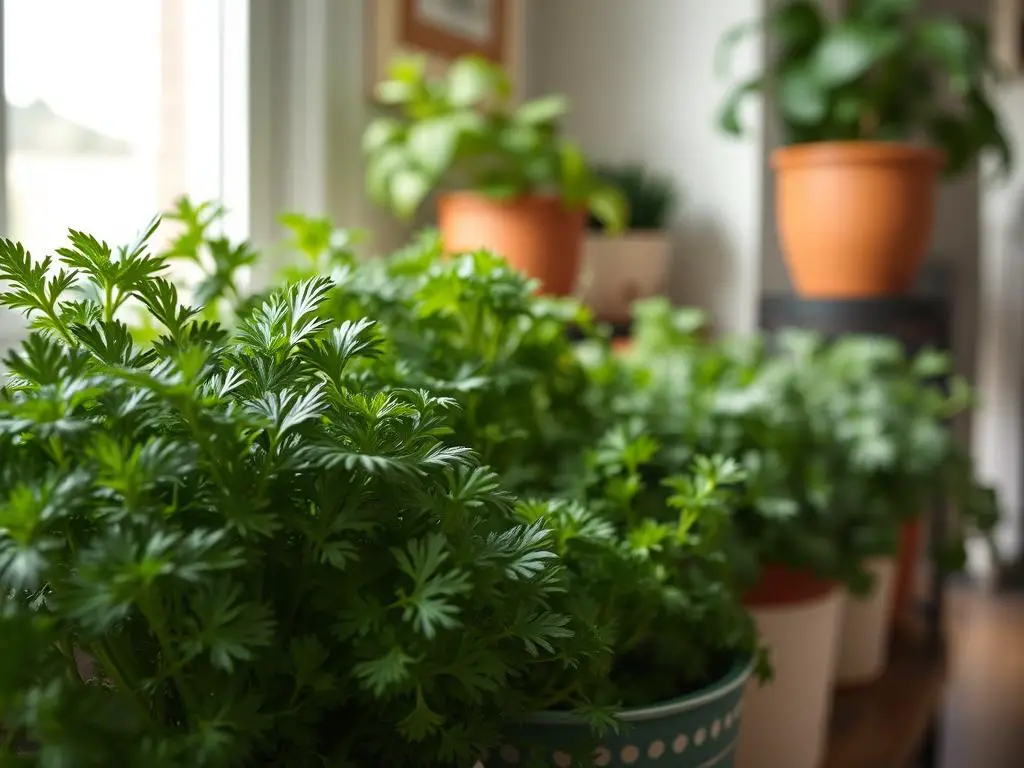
(819, 153)
(733, 679)
(530, 198)
(630, 234)
(780, 585)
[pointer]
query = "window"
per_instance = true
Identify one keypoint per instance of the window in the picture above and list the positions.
(117, 107)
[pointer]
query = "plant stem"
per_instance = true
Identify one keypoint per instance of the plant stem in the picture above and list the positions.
(107, 657)
(108, 303)
(154, 614)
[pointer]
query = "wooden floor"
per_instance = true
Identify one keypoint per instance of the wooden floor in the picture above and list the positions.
(883, 725)
(984, 708)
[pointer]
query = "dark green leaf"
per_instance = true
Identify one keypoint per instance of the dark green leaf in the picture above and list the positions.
(802, 98)
(848, 51)
(729, 116)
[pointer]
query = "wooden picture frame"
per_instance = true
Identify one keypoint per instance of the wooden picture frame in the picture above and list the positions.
(443, 30)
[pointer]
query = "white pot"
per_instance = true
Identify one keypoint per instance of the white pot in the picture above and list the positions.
(785, 722)
(864, 633)
(616, 271)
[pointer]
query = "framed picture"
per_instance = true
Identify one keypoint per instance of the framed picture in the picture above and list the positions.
(443, 30)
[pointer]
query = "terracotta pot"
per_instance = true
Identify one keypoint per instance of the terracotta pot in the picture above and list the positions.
(538, 235)
(911, 539)
(864, 627)
(786, 720)
(854, 218)
(617, 271)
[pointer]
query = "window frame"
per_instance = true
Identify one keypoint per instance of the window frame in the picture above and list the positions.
(295, 128)
(233, 21)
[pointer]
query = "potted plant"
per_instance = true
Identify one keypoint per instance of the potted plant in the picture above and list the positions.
(831, 477)
(619, 269)
(659, 595)
(663, 644)
(904, 458)
(736, 399)
(872, 106)
(511, 182)
(241, 544)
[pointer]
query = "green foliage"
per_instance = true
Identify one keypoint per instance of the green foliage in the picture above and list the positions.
(264, 558)
(651, 599)
(462, 129)
(470, 328)
(648, 573)
(221, 265)
(882, 72)
(838, 442)
(650, 197)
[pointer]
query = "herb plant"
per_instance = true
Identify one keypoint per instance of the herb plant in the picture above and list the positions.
(838, 442)
(658, 595)
(650, 197)
(462, 130)
(677, 626)
(881, 72)
(470, 328)
(644, 556)
(251, 554)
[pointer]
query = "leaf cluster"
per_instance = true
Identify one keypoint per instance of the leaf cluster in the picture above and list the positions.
(651, 598)
(227, 548)
(839, 442)
(462, 130)
(881, 72)
(471, 328)
(650, 196)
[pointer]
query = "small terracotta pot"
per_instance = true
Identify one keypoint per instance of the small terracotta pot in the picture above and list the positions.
(911, 539)
(539, 236)
(854, 218)
(786, 720)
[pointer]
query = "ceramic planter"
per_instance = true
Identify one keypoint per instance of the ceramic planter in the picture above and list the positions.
(785, 722)
(864, 636)
(854, 217)
(616, 271)
(539, 236)
(695, 731)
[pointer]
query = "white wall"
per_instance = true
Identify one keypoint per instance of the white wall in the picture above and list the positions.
(641, 81)
(309, 108)
(999, 423)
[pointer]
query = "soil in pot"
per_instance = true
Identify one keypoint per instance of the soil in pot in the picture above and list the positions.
(786, 719)
(854, 218)
(539, 236)
(699, 729)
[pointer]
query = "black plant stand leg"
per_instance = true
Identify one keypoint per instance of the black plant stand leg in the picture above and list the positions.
(931, 747)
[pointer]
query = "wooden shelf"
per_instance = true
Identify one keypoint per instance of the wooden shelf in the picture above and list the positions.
(885, 724)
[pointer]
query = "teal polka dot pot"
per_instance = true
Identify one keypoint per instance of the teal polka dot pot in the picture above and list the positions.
(696, 731)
